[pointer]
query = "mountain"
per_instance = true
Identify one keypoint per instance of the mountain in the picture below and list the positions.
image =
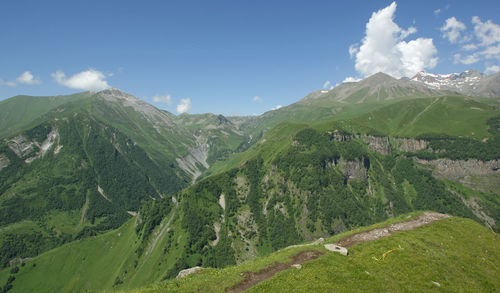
(214, 191)
(470, 82)
(79, 165)
(376, 88)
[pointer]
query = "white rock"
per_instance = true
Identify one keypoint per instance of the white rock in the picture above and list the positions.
(186, 272)
(336, 248)
(297, 266)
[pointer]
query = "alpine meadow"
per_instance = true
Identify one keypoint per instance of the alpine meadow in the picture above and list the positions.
(385, 181)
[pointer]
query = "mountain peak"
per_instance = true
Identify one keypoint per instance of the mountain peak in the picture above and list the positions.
(466, 82)
(378, 78)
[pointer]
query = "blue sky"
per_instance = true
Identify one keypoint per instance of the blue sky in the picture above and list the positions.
(235, 57)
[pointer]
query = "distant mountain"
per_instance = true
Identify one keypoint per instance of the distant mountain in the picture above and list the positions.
(75, 166)
(470, 82)
(376, 88)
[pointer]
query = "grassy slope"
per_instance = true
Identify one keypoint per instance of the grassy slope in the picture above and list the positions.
(457, 253)
(18, 112)
(452, 115)
(82, 264)
(96, 264)
(455, 116)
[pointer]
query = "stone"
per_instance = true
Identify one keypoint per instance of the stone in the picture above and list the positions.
(187, 272)
(336, 248)
(297, 266)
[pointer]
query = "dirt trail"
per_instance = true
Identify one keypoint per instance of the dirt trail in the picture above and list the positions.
(252, 279)
(424, 219)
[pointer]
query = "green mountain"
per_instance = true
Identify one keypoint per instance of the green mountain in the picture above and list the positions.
(79, 165)
(214, 191)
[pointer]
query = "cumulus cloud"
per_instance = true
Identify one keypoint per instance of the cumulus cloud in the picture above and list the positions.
(492, 69)
(484, 41)
(28, 78)
(165, 99)
(487, 33)
(25, 78)
(257, 99)
(437, 11)
(326, 84)
(276, 108)
(184, 106)
(89, 80)
(383, 49)
(452, 29)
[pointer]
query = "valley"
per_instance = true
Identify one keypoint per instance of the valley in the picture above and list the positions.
(103, 191)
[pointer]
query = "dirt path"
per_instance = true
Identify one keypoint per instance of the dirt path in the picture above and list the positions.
(424, 219)
(252, 279)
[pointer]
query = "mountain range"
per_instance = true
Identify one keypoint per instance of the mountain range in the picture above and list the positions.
(113, 193)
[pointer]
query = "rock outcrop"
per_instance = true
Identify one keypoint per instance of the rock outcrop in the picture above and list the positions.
(410, 145)
(476, 174)
(4, 162)
(187, 272)
(21, 146)
(354, 170)
(457, 169)
(379, 144)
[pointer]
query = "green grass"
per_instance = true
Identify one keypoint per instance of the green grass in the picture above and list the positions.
(77, 266)
(18, 112)
(457, 253)
(453, 115)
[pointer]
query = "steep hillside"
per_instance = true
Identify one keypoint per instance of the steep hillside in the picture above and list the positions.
(306, 183)
(68, 178)
(216, 136)
(452, 254)
(444, 253)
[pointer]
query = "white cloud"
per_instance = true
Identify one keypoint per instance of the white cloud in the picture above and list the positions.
(276, 108)
(437, 11)
(184, 106)
(257, 99)
(487, 33)
(469, 47)
(165, 99)
(89, 80)
(353, 50)
(384, 50)
(326, 84)
(452, 29)
(492, 69)
(467, 60)
(7, 83)
(491, 52)
(28, 78)
(351, 79)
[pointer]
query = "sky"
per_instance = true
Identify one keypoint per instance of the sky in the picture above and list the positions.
(235, 57)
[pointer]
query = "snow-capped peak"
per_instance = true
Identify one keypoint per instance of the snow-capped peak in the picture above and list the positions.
(460, 82)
